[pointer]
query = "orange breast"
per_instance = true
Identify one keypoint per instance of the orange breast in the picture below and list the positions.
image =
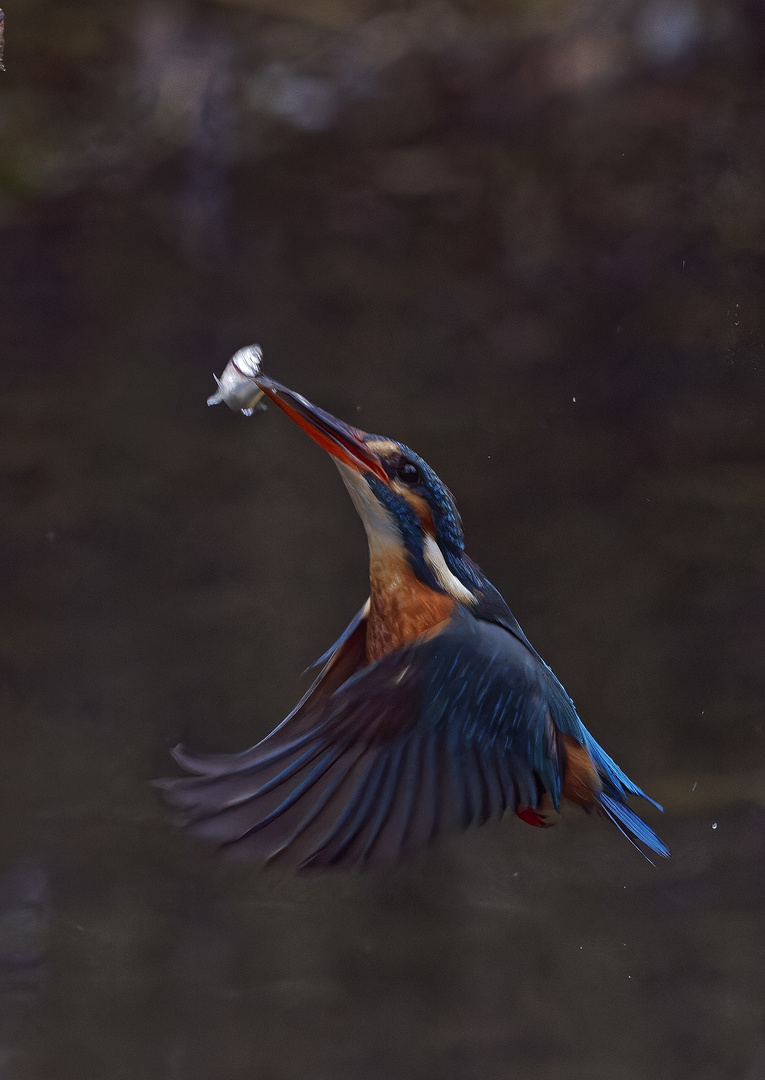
(401, 606)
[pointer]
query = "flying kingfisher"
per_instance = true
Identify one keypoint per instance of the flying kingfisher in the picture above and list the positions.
(431, 713)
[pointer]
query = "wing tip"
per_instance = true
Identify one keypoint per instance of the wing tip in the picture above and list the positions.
(193, 763)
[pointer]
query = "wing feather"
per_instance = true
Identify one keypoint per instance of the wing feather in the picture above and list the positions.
(495, 796)
(333, 782)
(378, 760)
(354, 818)
(399, 826)
(384, 807)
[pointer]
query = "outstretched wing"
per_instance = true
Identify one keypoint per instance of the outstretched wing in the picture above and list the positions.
(444, 734)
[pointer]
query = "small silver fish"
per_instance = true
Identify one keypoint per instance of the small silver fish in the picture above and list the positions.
(236, 386)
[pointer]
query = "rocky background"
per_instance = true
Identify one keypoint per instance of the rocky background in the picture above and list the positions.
(526, 237)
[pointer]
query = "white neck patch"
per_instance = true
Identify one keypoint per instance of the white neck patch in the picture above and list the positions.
(443, 575)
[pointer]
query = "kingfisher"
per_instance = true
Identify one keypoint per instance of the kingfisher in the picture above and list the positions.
(432, 713)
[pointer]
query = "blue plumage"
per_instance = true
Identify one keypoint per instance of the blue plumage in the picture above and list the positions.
(438, 723)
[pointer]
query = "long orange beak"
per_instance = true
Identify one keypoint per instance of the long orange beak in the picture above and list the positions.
(342, 441)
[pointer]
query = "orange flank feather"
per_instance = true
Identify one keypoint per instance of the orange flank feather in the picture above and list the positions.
(581, 782)
(401, 607)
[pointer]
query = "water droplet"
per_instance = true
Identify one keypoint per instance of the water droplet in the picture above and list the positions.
(714, 825)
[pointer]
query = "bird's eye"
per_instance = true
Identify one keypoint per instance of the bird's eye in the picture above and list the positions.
(409, 473)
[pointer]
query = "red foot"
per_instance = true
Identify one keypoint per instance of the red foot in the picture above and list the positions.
(531, 817)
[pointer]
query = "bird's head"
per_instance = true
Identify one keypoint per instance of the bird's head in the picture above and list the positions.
(405, 508)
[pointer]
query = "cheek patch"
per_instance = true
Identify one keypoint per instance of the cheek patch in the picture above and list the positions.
(418, 506)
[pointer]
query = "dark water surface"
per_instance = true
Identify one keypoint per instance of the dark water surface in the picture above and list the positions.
(549, 285)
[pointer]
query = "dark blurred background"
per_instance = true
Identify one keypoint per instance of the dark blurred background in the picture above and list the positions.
(526, 237)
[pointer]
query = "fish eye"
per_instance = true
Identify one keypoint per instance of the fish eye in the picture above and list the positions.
(408, 473)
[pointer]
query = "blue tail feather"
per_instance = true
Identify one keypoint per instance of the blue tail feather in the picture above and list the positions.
(611, 772)
(567, 720)
(633, 827)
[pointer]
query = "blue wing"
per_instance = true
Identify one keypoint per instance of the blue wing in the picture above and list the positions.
(379, 760)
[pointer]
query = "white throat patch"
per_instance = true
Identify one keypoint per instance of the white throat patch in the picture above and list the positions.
(380, 525)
